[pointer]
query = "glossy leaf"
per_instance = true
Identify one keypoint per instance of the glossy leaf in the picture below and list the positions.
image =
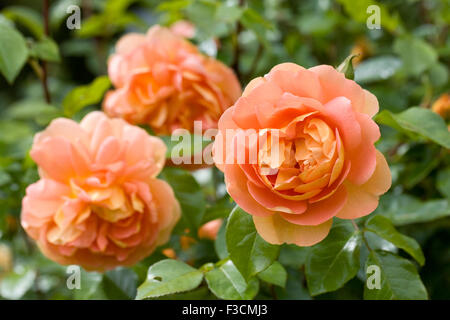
(168, 277)
(335, 260)
(13, 52)
(399, 279)
(274, 274)
(419, 121)
(227, 283)
(248, 251)
(383, 227)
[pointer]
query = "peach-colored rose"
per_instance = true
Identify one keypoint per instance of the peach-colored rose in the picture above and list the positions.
(328, 165)
(162, 80)
(98, 203)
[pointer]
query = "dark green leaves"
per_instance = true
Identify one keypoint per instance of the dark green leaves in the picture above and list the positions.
(274, 274)
(13, 52)
(227, 283)
(335, 260)
(168, 277)
(248, 251)
(86, 95)
(189, 195)
(399, 278)
(419, 121)
(383, 227)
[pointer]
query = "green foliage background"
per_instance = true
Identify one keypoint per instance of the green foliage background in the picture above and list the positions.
(405, 64)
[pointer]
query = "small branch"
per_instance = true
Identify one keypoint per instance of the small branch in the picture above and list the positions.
(44, 63)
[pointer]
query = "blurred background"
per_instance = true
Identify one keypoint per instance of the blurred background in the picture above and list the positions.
(404, 61)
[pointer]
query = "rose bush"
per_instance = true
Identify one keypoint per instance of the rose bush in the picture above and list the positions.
(98, 203)
(327, 166)
(164, 81)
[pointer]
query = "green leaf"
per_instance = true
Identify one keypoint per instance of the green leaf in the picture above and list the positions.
(86, 95)
(274, 274)
(335, 260)
(120, 284)
(383, 227)
(220, 244)
(399, 279)
(167, 277)
(293, 256)
(189, 195)
(227, 283)
(248, 251)
(419, 121)
(346, 67)
(26, 17)
(15, 284)
(417, 55)
(377, 69)
(45, 49)
(404, 209)
(13, 52)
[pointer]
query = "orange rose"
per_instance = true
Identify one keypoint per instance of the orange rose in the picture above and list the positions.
(327, 165)
(442, 106)
(163, 80)
(98, 203)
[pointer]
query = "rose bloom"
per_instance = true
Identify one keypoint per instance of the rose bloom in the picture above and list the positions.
(327, 166)
(162, 80)
(442, 106)
(98, 203)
